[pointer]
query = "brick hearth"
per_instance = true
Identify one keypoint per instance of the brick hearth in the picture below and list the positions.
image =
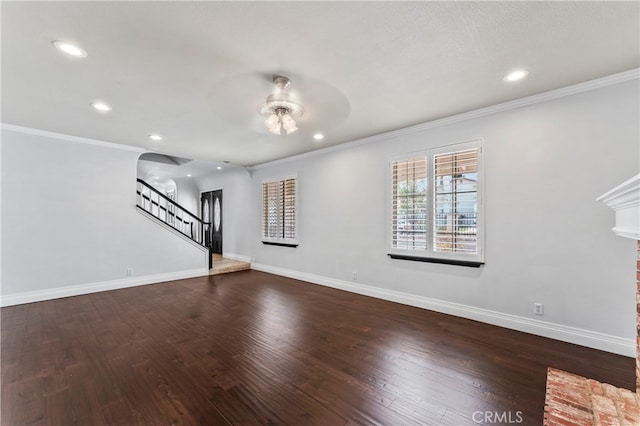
(575, 400)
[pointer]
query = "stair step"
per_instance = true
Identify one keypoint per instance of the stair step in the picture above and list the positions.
(225, 266)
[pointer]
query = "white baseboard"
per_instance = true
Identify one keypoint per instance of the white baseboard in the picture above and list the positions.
(592, 339)
(238, 257)
(77, 290)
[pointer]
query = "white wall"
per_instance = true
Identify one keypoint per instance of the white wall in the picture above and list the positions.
(547, 239)
(188, 195)
(69, 219)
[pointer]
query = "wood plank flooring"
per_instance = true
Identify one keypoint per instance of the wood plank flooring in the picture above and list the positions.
(254, 348)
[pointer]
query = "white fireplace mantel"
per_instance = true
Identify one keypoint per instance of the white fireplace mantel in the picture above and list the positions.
(625, 200)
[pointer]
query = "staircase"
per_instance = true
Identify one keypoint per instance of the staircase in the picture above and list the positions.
(160, 207)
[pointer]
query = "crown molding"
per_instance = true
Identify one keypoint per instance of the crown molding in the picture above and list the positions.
(69, 138)
(625, 76)
(586, 86)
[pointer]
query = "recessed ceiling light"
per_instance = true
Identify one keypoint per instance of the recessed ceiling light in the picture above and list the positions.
(189, 175)
(219, 167)
(318, 136)
(70, 49)
(101, 106)
(154, 136)
(516, 75)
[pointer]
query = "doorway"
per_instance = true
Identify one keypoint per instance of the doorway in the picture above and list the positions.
(211, 208)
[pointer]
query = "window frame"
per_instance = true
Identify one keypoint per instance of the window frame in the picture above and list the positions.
(429, 254)
(280, 241)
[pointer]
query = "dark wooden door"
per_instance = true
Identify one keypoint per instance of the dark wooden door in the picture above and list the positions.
(211, 204)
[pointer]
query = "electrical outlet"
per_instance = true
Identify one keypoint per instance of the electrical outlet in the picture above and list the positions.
(354, 275)
(129, 272)
(538, 309)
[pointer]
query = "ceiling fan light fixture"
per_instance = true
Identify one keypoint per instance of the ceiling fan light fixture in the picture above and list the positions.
(280, 110)
(288, 123)
(273, 124)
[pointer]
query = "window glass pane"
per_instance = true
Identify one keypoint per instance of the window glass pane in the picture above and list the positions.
(409, 204)
(456, 202)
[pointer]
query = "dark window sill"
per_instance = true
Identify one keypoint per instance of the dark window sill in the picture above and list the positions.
(457, 262)
(271, 243)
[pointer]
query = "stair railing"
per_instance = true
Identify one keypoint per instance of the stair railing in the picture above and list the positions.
(158, 205)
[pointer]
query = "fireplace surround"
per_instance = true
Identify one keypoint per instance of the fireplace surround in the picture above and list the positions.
(575, 400)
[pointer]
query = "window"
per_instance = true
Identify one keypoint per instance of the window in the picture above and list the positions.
(409, 211)
(279, 212)
(435, 205)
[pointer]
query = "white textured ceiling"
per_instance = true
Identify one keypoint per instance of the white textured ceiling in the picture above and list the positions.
(195, 72)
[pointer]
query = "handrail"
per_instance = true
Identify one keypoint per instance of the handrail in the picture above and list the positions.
(169, 199)
(171, 213)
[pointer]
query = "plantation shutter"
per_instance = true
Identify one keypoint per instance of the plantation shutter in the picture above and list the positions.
(270, 209)
(289, 209)
(279, 209)
(455, 202)
(409, 204)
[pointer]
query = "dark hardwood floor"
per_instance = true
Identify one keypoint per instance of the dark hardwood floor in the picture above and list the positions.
(254, 348)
